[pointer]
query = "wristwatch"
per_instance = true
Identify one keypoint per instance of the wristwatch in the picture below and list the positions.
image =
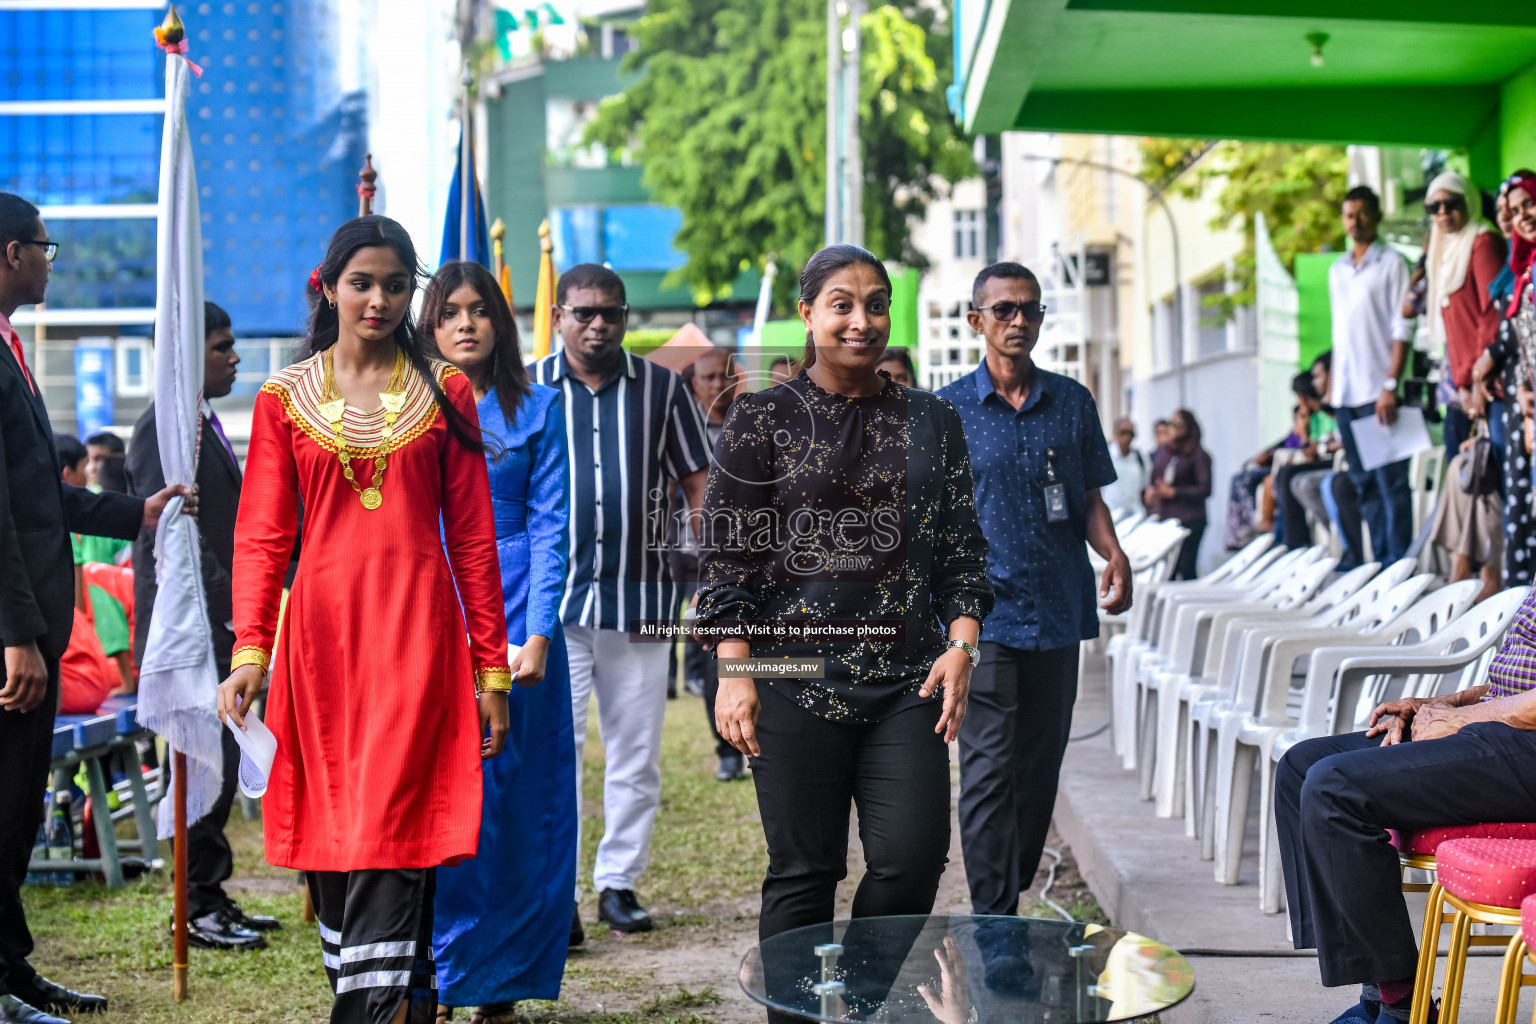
(1390, 384)
(968, 649)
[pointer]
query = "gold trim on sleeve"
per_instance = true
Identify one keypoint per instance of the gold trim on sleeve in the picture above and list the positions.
(250, 655)
(493, 680)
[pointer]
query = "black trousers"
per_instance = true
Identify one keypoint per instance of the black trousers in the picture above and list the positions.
(26, 745)
(1294, 531)
(1011, 744)
(376, 942)
(1189, 552)
(896, 772)
(1335, 798)
(210, 861)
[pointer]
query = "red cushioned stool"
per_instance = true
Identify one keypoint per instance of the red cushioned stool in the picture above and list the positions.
(1417, 849)
(1482, 881)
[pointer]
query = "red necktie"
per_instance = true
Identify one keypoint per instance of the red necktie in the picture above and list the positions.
(21, 361)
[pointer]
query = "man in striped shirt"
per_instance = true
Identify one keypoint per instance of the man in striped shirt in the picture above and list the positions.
(634, 433)
(1471, 760)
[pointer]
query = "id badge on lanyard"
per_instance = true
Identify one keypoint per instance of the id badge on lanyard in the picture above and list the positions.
(1055, 491)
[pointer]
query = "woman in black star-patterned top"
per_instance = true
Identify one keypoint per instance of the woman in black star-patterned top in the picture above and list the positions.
(842, 502)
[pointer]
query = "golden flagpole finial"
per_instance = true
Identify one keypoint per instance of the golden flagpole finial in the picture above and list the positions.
(171, 30)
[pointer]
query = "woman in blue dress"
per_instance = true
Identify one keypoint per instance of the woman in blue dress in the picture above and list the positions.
(502, 918)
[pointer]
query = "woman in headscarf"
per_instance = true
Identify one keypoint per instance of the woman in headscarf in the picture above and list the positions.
(1496, 372)
(1463, 258)
(1522, 211)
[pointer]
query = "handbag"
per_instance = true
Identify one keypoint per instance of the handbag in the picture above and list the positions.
(1478, 477)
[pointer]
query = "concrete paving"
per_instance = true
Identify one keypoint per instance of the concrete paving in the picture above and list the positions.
(1149, 878)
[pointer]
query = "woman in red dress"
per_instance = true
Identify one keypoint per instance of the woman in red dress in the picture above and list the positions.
(373, 687)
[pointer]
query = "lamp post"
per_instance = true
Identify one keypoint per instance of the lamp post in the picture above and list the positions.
(1153, 195)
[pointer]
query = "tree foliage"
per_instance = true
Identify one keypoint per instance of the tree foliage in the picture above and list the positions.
(728, 117)
(1298, 189)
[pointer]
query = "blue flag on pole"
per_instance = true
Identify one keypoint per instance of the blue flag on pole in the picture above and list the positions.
(478, 247)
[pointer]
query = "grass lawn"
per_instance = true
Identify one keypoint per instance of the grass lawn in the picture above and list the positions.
(707, 864)
(707, 859)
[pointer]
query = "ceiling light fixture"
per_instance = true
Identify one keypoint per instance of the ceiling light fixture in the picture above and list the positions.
(1318, 41)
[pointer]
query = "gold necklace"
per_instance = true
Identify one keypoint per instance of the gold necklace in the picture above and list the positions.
(392, 399)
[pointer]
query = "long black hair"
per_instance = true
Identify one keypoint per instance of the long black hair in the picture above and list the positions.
(506, 373)
(374, 231)
(822, 265)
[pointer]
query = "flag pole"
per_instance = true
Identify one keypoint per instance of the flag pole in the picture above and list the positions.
(367, 186)
(499, 260)
(179, 955)
(466, 164)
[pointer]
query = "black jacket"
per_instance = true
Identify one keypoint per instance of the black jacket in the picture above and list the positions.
(218, 501)
(38, 511)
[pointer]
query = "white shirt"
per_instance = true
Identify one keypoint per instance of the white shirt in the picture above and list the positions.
(1130, 480)
(1367, 302)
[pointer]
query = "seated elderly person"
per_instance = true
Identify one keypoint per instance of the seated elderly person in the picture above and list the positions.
(1471, 759)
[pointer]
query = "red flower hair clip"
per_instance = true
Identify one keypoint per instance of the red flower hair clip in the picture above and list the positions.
(314, 279)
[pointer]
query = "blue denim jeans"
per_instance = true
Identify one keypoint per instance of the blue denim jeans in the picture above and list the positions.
(1385, 499)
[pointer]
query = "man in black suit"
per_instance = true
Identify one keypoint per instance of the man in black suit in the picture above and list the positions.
(215, 921)
(37, 599)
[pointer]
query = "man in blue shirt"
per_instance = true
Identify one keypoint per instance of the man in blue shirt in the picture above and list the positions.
(1039, 458)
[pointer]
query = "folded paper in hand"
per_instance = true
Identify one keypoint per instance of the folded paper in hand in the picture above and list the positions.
(258, 747)
(1381, 445)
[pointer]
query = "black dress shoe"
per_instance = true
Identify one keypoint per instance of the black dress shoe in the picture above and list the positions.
(252, 922)
(578, 934)
(619, 909)
(40, 992)
(220, 930)
(14, 1011)
(732, 767)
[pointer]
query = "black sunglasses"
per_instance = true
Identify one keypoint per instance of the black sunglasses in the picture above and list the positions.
(586, 314)
(1034, 312)
(1450, 205)
(50, 249)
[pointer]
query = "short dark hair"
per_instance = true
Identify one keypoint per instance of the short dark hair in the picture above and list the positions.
(71, 451)
(112, 474)
(108, 440)
(900, 355)
(18, 219)
(1364, 194)
(1302, 387)
(215, 318)
(1007, 270)
(589, 275)
(1325, 358)
(1161, 423)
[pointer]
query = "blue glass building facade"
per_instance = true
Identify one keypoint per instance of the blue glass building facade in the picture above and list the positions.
(277, 140)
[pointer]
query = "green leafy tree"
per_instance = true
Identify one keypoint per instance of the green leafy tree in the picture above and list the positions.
(1298, 189)
(728, 117)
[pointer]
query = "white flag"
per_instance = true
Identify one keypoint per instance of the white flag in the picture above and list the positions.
(178, 683)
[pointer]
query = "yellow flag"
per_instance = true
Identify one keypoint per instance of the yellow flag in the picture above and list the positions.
(544, 296)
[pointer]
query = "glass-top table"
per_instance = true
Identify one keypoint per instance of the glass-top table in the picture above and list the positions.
(965, 970)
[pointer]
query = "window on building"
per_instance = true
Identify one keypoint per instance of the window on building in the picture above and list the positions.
(1167, 332)
(1211, 336)
(967, 234)
(135, 371)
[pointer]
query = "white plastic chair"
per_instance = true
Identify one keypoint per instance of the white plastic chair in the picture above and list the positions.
(1190, 638)
(1333, 608)
(1118, 650)
(1446, 657)
(1259, 711)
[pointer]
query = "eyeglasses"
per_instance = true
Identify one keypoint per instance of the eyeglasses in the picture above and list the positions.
(1450, 205)
(1034, 312)
(50, 249)
(586, 314)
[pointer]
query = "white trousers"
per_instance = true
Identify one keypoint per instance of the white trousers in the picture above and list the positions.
(630, 680)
